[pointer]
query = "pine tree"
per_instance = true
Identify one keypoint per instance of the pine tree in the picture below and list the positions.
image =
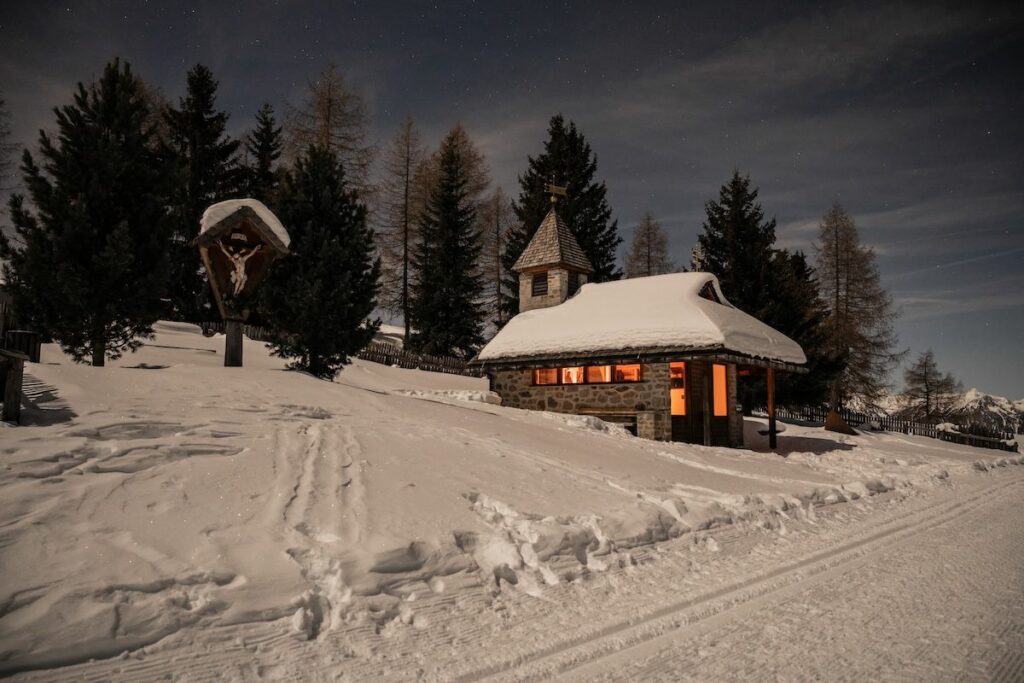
(401, 197)
(333, 116)
(446, 312)
(319, 298)
(860, 327)
(263, 146)
(737, 245)
(205, 171)
(797, 310)
(89, 266)
(929, 394)
(567, 160)
(648, 253)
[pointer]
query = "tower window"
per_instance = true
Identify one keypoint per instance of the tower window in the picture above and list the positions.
(539, 284)
(574, 282)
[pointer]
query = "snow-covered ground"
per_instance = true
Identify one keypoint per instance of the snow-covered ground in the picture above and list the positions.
(166, 514)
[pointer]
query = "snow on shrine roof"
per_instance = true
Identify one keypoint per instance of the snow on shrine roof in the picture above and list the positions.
(647, 314)
(216, 213)
(552, 244)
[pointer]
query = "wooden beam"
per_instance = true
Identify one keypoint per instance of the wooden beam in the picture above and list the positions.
(707, 404)
(772, 439)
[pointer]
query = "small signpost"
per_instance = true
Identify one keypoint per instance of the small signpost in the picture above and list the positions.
(238, 241)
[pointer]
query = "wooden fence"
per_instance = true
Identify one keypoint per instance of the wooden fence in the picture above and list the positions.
(381, 352)
(970, 435)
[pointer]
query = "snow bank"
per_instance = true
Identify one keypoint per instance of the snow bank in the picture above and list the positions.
(216, 213)
(659, 312)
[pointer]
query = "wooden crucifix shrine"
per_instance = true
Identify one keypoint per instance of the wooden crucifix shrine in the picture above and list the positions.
(238, 241)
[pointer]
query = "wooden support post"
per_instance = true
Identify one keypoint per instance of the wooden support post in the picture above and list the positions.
(233, 344)
(14, 370)
(772, 440)
(707, 403)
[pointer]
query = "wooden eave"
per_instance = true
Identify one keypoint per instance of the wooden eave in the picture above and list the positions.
(652, 355)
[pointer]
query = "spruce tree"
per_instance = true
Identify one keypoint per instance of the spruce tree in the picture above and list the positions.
(737, 245)
(89, 266)
(318, 299)
(446, 313)
(263, 146)
(205, 171)
(567, 160)
(648, 252)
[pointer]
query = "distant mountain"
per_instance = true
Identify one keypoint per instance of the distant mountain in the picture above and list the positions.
(974, 407)
(995, 412)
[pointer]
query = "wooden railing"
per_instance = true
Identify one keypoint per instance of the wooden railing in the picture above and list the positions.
(970, 435)
(381, 352)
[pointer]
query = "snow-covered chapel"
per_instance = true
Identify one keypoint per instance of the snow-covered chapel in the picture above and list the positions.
(661, 355)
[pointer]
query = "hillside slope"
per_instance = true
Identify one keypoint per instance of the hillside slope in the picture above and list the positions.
(166, 495)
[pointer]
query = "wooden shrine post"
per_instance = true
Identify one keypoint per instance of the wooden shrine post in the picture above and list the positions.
(238, 241)
(772, 439)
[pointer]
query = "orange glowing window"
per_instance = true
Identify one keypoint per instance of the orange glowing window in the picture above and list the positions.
(572, 375)
(545, 376)
(677, 387)
(627, 373)
(720, 391)
(599, 374)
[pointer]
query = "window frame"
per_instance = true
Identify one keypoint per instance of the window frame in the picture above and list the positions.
(586, 382)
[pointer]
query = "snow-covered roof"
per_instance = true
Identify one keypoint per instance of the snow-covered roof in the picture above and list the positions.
(553, 244)
(216, 213)
(648, 314)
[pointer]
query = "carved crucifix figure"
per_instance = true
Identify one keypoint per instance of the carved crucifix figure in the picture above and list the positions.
(238, 255)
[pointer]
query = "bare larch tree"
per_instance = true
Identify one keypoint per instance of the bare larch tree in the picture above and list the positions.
(400, 199)
(861, 321)
(496, 217)
(648, 252)
(929, 394)
(333, 116)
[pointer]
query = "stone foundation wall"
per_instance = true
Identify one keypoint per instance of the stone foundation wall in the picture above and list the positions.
(651, 394)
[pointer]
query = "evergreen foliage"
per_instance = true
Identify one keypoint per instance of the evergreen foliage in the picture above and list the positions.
(263, 146)
(775, 286)
(89, 267)
(318, 299)
(648, 252)
(567, 160)
(446, 313)
(860, 327)
(205, 171)
(737, 245)
(930, 395)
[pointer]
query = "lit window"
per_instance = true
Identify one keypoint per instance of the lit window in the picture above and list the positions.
(627, 373)
(721, 396)
(599, 374)
(539, 285)
(545, 376)
(572, 375)
(677, 390)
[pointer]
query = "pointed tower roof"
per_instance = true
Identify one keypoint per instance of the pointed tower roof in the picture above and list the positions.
(553, 244)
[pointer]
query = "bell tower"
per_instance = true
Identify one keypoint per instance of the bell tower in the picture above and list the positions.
(553, 266)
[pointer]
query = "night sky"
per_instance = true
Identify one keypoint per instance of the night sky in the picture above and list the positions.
(909, 115)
